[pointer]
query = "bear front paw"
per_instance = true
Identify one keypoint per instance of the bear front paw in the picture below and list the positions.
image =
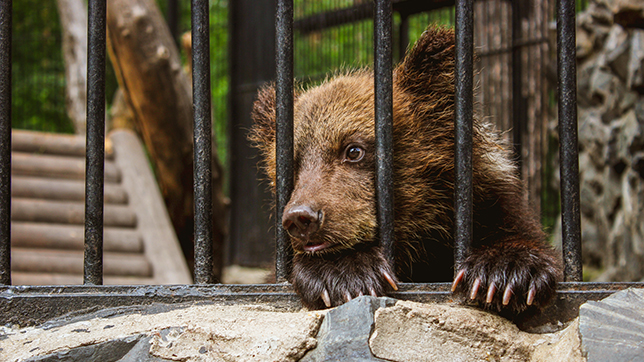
(331, 280)
(508, 277)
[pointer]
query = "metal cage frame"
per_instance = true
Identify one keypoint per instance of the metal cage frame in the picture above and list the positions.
(30, 305)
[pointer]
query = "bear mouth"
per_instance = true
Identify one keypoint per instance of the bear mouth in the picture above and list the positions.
(315, 246)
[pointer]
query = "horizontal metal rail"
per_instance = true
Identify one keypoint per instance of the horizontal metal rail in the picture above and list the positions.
(35, 305)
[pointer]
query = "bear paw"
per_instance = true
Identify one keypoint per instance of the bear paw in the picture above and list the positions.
(508, 277)
(325, 281)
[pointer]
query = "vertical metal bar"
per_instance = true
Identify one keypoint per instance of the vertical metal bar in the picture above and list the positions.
(202, 142)
(519, 113)
(403, 36)
(173, 16)
(5, 141)
(284, 131)
(463, 130)
(95, 154)
(569, 168)
(383, 83)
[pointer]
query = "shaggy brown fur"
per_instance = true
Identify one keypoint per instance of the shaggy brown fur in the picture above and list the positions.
(331, 215)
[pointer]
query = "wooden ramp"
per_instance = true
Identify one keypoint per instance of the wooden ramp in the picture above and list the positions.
(47, 212)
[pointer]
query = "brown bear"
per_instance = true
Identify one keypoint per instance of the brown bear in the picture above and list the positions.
(331, 215)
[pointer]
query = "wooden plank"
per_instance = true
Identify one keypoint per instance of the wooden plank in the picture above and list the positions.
(24, 278)
(27, 164)
(59, 212)
(60, 189)
(57, 236)
(161, 243)
(71, 262)
(50, 143)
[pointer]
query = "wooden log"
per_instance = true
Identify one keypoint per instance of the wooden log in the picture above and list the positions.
(56, 236)
(24, 278)
(25, 164)
(50, 143)
(148, 67)
(58, 212)
(162, 245)
(71, 262)
(61, 189)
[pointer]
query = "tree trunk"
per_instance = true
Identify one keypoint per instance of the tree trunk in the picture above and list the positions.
(73, 18)
(146, 61)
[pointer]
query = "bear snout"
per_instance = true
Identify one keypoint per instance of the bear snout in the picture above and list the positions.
(301, 221)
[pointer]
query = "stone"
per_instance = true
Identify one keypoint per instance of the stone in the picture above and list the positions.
(344, 333)
(635, 66)
(109, 351)
(612, 329)
(189, 332)
(411, 331)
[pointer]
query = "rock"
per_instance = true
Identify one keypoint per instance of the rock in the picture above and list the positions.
(344, 333)
(109, 351)
(411, 331)
(635, 66)
(185, 332)
(612, 329)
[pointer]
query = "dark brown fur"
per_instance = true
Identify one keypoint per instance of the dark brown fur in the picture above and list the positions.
(338, 195)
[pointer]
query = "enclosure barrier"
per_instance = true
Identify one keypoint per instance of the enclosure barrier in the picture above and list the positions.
(27, 305)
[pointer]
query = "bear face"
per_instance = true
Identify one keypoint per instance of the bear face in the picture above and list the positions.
(331, 215)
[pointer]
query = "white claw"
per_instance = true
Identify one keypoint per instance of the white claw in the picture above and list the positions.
(475, 288)
(326, 299)
(390, 280)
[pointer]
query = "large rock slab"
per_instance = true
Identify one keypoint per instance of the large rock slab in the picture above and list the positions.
(175, 333)
(613, 328)
(411, 331)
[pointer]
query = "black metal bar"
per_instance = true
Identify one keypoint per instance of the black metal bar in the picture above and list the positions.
(518, 106)
(173, 15)
(569, 167)
(95, 158)
(464, 100)
(383, 83)
(202, 142)
(34, 305)
(284, 131)
(5, 141)
(403, 36)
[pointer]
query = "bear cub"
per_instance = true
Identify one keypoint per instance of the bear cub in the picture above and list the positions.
(331, 215)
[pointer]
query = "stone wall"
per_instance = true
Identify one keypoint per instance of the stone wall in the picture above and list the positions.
(610, 52)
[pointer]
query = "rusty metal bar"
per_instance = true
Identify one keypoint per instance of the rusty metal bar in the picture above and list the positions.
(202, 142)
(569, 167)
(284, 132)
(95, 154)
(383, 83)
(464, 101)
(5, 141)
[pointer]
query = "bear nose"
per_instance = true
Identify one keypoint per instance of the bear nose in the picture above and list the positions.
(301, 221)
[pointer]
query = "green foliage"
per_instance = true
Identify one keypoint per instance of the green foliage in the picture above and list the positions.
(38, 72)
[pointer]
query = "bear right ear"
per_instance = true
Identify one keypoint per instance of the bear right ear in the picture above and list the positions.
(428, 68)
(263, 131)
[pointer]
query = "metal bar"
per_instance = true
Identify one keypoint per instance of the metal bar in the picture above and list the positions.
(569, 167)
(5, 141)
(202, 142)
(173, 15)
(284, 131)
(383, 83)
(518, 106)
(95, 157)
(463, 131)
(34, 305)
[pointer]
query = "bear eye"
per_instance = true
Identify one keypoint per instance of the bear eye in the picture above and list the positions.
(353, 153)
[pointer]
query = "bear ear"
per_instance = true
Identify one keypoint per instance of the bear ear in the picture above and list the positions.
(428, 68)
(263, 114)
